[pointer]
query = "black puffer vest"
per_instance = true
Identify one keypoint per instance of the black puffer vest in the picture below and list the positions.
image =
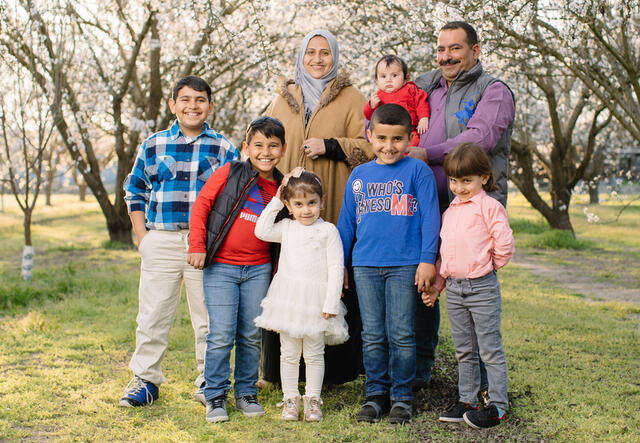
(242, 178)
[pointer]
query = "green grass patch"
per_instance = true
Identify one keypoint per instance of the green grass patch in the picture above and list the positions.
(51, 284)
(524, 226)
(65, 345)
(556, 239)
(108, 244)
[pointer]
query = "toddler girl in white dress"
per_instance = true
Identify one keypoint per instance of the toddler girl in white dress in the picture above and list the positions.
(303, 303)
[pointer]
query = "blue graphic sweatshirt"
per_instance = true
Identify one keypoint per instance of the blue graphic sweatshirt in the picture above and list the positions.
(391, 212)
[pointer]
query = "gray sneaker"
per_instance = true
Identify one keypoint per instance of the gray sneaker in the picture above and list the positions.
(199, 395)
(249, 406)
(217, 409)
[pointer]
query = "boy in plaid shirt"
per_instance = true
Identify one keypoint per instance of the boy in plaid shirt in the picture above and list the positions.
(170, 169)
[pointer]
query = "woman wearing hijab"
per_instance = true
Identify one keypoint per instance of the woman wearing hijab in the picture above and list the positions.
(324, 131)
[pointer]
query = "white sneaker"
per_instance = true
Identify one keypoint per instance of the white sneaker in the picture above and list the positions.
(291, 409)
(312, 411)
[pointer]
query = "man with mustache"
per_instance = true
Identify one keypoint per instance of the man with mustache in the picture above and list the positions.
(467, 105)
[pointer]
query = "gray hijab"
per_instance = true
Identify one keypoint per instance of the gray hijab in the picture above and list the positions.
(313, 88)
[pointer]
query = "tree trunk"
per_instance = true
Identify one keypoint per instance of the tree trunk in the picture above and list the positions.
(594, 198)
(47, 191)
(120, 230)
(51, 173)
(27, 251)
(560, 220)
(27, 226)
(82, 191)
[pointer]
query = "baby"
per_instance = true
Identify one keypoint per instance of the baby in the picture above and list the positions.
(391, 78)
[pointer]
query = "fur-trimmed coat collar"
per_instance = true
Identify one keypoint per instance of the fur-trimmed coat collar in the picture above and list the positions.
(341, 81)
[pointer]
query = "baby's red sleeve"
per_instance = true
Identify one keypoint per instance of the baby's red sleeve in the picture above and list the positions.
(422, 104)
(368, 110)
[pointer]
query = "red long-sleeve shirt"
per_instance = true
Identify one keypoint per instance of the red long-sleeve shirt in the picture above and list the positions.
(410, 97)
(240, 246)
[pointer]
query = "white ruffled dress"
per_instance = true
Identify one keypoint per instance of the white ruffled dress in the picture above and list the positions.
(308, 281)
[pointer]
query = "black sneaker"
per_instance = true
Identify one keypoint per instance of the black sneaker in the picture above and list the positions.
(376, 407)
(484, 418)
(400, 413)
(455, 413)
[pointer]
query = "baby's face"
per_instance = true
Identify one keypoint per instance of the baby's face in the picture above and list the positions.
(390, 78)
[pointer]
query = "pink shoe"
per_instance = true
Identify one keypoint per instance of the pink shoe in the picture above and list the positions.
(312, 411)
(291, 409)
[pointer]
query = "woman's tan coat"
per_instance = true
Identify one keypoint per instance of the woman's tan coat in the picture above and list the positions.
(338, 115)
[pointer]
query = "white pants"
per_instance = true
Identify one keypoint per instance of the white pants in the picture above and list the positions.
(313, 350)
(164, 266)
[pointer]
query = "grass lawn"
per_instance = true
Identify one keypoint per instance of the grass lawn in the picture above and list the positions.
(66, 339)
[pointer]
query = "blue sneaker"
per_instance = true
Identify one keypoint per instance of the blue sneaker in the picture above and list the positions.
(139, 392)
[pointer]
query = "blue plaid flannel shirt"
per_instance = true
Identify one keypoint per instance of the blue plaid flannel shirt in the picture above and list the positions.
(169, 171)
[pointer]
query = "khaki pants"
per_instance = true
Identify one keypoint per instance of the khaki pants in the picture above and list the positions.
(164, 266)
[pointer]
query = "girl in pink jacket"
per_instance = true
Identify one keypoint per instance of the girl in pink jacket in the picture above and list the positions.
(476, 241)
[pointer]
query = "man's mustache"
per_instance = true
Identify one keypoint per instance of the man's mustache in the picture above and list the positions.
(449, 62)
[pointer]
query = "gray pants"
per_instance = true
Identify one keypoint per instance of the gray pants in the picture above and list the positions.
(474, 311)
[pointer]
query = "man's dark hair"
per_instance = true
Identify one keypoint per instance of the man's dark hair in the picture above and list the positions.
(267, 126)
(472, 35)
(389, 60)
(195, 83)
(391, 114)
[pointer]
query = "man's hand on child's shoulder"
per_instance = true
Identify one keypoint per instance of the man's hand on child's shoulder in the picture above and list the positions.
(196, 259)
(423, 125)
(418, 152)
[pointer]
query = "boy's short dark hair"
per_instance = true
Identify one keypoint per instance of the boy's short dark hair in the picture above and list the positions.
(195, 83)
(389, 60)
(268, 126)
(472, 35)
(469, 159)
(391, 114)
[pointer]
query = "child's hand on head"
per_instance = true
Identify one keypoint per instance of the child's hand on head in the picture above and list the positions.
(374, 100)
(423, 125)
(327, 316)
(297, 171)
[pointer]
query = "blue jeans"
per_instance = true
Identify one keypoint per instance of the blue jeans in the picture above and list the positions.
(387, 306)
(233, 294)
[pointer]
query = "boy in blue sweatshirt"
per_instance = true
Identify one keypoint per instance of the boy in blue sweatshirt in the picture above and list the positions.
(390, 209)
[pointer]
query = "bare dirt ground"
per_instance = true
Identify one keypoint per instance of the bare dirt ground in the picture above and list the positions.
(607, 277)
